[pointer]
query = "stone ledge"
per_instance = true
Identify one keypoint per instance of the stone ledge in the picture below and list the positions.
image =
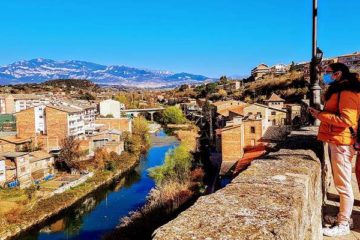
(277, 197)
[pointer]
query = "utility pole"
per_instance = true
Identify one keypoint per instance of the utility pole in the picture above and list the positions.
(316, 57)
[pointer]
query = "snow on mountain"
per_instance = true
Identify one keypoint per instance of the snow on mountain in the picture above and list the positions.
(40, 70)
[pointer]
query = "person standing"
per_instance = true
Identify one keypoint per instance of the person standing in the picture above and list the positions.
(339, 120)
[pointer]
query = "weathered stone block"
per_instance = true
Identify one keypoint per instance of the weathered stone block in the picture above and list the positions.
(277, 197)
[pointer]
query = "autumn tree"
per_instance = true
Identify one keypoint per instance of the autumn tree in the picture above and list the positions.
(70, 153)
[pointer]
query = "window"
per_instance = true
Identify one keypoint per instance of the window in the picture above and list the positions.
(2, 172)
(22, 169)
(252, 129)
(273, 113)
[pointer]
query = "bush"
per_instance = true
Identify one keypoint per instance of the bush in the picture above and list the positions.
(173, 115)
(176, 167)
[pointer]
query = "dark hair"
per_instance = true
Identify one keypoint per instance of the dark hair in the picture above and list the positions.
(349, 81)
(346, 74)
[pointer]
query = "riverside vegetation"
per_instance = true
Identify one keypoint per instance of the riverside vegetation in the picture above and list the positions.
(178, 183)
(21, 209)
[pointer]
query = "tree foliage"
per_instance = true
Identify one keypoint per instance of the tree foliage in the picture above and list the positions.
(173, 115)
(70, 153)
(176, 167)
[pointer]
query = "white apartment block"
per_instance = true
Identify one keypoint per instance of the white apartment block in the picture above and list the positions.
(13, 103)
(89, 110)
(76, 123)
(110, 106)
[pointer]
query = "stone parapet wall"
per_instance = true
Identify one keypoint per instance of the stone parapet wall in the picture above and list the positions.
(277, 197)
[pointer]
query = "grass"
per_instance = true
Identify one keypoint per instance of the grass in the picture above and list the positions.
(16, 209)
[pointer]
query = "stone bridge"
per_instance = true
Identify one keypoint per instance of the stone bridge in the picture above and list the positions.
(280, 196)
(136, 112)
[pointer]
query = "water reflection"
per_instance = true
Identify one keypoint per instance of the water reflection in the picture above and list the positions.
(100, 212)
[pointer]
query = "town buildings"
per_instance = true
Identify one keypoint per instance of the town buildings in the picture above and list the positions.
(260, 71)
(13, 103)
(110, 107)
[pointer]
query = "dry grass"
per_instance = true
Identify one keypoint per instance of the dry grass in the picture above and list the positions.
(188, 138)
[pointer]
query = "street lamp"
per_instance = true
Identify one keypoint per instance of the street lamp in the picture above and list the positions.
(316, 58)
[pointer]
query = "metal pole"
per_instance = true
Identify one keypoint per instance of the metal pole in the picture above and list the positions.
(315, 88)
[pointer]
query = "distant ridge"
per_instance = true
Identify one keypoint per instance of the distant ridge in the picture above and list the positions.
(40, 70)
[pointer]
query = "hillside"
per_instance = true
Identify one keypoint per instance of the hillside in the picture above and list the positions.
(291, 86)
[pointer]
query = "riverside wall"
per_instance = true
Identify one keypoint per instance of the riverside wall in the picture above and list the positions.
(279, 196)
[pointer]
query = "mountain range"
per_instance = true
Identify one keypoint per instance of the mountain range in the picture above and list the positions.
(40, 70)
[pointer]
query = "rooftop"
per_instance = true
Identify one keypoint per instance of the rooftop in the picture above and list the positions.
(274, 98)
(38, 155)
(13, 154)
(65, 108)
(15, 139)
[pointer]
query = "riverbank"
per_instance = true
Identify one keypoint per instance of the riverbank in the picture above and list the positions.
(45, 209)
(164, 202)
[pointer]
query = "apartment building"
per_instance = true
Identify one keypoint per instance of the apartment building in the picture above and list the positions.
(13, 103)
(110, 107)
(30, 122)
(64, 121)
(89, 110)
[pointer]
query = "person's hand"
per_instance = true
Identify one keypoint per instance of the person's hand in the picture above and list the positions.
(314, 112)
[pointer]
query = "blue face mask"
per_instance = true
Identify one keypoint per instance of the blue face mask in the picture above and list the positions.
(328, 78)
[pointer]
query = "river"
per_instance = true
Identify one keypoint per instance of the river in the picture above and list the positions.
(100, 212)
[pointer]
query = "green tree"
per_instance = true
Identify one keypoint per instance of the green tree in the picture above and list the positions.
(176, 167)
(223, 80)
(173, 115)
(211, 88)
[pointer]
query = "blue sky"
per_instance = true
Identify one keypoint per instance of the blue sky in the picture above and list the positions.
(210, 37)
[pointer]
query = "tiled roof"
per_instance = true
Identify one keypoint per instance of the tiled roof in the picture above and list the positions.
(275, 98)
(266, 106)
(38, 155)
(13, 154)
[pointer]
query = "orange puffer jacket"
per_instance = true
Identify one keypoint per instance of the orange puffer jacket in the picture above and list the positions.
(334, 127)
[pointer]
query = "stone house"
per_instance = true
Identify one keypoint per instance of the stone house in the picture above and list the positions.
(108, 139)
(120, 124)
(232, 145)
(294, 114)
(14, 143)
(275, 101)
(17, 168)
(274, 116)
(41, 164)
(260, 71)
